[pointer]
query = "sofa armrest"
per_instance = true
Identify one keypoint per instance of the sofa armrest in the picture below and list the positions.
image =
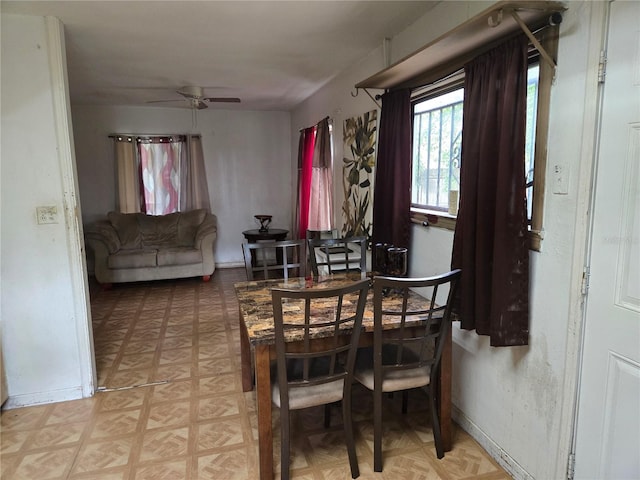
(102, 232)
(207, 231)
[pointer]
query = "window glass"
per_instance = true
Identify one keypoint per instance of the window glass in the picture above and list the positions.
(437, 141)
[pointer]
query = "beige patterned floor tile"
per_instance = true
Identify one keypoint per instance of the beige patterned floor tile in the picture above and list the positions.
(105, 348)
(218, 434)
(57, 435)
(136, 361)
(466, 460)
(140, 334)
(217, 407)
(171, 391)
(73, 411)
(177, 342)
(11, 441)
(215, 366)
(176, 355)
(228, 465)
(213, 337)
(128, 378)
(223, 383)
(45, 465)
(173, 470)
(328, 446)
(169, 414)
(153, 315)
(179, 330)
(412, 465)
(102, 455)
(162, 444)
(120, 399)
(212, 350)
(179, 371)
(139, 346)
(117, 423)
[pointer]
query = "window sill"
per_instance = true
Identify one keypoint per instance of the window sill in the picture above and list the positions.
(433, 218)
(438, 219)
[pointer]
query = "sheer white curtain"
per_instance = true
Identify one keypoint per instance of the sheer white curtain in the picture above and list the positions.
(321, 201)
(158, 175)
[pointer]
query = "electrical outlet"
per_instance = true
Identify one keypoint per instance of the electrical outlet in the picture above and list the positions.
(46, 215)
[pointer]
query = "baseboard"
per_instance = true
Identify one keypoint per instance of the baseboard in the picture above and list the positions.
(230, 265)
(41, 398)
(497, 453)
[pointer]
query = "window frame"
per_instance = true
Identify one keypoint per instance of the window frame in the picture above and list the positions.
(548, 38)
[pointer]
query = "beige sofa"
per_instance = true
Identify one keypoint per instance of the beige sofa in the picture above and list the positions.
(132, 247)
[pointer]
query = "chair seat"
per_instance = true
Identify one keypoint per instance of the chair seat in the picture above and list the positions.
(304, 397)
(393, 380)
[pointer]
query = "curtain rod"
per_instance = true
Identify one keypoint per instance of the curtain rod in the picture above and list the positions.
(325, 118)
(114, 135)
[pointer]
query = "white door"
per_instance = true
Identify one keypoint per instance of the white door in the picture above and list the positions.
(608, 428)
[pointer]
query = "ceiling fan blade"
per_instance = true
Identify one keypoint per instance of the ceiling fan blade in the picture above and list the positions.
(200, 105)
(223, 99)
(164, 101)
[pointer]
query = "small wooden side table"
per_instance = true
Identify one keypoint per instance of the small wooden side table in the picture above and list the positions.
(276, 234)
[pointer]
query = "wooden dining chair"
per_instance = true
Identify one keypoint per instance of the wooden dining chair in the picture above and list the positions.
(269, 259)
(319, 371)
(411, 359)
(330, 255)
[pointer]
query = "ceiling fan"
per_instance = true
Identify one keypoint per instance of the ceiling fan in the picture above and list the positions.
(196, 99)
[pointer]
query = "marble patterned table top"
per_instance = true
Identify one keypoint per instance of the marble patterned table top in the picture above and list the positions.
(254, 299)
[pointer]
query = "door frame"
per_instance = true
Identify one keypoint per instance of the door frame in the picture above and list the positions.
(587, 178)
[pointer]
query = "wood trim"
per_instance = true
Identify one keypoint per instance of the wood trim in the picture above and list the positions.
(451, 51)
(549, 40)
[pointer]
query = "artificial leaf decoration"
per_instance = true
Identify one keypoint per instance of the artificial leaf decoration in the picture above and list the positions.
(359, 138)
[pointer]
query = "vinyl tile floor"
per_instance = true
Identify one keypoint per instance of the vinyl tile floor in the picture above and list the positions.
(170, 405)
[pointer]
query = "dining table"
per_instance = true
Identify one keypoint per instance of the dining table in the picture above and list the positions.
(257, 340)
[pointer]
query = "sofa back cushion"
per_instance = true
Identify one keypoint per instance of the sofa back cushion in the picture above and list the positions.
(159, 231)
(188, 226)
(126, 226)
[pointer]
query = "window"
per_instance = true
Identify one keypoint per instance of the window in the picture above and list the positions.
(160, 174)
(437, 141)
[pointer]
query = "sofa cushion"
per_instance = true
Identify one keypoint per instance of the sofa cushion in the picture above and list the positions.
(133, 258)
(179, 256)
(159, 231)
(188, 225)
(126, 225)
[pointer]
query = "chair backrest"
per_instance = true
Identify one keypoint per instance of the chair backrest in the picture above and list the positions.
(329, 255)
(318, 314)
(322, 234)
(283, 259)
(419, 338)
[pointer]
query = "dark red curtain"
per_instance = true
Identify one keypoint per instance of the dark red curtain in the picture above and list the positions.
(490, 241)
(305, 169)
(392, 191)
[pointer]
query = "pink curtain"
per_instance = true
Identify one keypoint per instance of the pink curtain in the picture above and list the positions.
(160, 166)
(305, 169)
(321, 200)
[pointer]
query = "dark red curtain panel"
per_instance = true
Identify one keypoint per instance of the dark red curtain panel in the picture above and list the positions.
(392, 192)
(490, 241)
(305, 166)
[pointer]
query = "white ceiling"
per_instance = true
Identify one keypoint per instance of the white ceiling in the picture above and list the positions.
(271, 54)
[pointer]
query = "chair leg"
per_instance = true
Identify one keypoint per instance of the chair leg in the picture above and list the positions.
(435, 424)
(284, 445)
(377, 431)
(348, 434)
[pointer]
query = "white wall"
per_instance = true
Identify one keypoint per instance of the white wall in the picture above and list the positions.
(247, 159)
(516, 401)
(44, 314)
